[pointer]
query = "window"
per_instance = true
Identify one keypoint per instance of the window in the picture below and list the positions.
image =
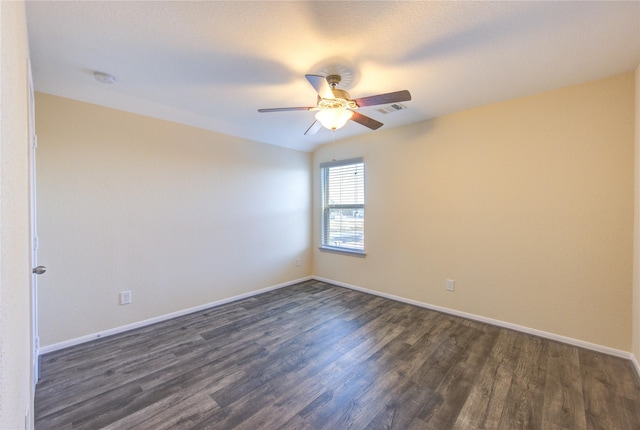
(343, 205)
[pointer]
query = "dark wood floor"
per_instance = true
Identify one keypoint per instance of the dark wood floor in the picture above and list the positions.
(316, 356)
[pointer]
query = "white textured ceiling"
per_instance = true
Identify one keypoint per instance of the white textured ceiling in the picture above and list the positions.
(213, 64)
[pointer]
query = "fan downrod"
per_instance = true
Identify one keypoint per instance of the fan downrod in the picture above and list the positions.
(341, 98)
(334, 80)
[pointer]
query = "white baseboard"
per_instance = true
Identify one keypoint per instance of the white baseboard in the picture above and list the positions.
(139, 324)
(516, 327)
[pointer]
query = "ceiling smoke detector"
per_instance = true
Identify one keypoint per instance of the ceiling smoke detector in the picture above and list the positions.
(104, 78)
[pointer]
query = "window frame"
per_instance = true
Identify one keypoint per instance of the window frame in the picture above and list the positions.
(327, 207)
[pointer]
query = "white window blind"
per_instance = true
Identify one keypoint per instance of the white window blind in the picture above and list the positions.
(343, 205)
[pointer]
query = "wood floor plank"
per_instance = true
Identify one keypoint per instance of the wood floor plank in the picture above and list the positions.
(85, 383)
(485, 403)
(180, 409)
(563, 400)
(453, 391)
(284, 407)
(601, 394)
(400, 407)
(525, 399)
(315, 356)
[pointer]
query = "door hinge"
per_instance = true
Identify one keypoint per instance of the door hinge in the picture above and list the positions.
(35, 141)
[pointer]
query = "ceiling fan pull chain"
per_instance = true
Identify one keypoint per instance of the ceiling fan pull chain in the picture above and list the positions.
(333, 146)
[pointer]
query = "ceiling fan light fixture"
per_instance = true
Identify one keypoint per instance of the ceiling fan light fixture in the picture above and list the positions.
(334, 119)
(334, 106)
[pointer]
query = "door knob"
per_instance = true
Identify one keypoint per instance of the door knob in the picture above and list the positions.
(39, 270)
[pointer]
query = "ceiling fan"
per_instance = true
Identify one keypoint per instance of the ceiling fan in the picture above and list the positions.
(335, 106)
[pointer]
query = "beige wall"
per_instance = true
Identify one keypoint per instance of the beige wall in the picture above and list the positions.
(527, 204)
(636, 235)
(16, 397)
(178, 215)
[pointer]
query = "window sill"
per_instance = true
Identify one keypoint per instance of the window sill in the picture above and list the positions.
(343, 251)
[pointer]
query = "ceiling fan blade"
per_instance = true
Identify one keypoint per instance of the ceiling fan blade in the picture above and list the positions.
(314, 128)
(383, 99)
(320, 84)
(285, 109)
(366, 121)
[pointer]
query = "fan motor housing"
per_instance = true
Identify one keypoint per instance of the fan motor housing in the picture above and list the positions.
(341, 94)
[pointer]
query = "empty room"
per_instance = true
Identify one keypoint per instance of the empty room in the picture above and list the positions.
(320, 215)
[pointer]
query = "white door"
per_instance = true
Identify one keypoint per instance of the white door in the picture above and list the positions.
(37, 270)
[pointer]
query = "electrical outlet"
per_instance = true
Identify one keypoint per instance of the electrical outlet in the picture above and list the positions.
(451, 285)
(298, 262)
(125, 297)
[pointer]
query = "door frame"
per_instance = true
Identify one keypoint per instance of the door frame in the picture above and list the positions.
(33, 143)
